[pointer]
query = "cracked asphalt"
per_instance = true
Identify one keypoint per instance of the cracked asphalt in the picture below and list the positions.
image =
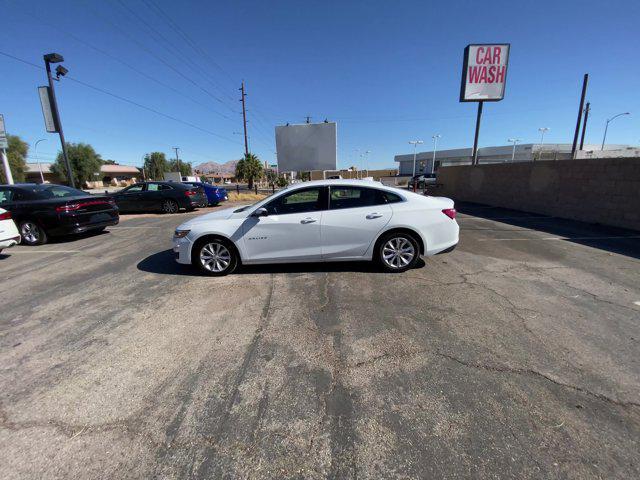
(515, 356)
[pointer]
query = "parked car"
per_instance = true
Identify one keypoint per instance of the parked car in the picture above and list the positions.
(327, 220)
(422, 181)
(9, 235)
(214, 194)
(167, 197)
(47, 210)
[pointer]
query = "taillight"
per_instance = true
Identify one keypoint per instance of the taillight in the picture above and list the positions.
(190, 193)
(72, 207)
(450, 212)
(5, 216)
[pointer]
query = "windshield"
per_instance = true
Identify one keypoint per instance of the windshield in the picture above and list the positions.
(57, 191)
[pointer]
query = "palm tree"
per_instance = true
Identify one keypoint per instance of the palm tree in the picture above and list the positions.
(249, 169)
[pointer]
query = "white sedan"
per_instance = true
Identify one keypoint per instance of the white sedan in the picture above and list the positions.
(328, 220)
(9, 235)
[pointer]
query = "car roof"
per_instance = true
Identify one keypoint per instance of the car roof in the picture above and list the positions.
(345, 182)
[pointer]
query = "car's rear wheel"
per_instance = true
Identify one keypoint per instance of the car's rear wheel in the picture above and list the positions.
(215, 256)
(170, 206)
(398, 252)
(32, 233)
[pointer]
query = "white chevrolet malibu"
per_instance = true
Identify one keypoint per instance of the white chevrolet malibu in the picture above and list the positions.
(324, 221)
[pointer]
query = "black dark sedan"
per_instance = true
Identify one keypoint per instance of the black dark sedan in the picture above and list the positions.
(168, 197)
(45, 210)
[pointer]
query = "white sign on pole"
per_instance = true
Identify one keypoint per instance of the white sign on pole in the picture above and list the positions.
(45, 101)
(484, 73)
(3, 134)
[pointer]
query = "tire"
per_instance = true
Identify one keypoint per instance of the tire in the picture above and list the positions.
(214, 256)
(170, 206)
(32, 233)
(397, 252)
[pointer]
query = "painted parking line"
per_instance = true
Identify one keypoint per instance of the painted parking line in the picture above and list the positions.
(554, 238)
(11, 252)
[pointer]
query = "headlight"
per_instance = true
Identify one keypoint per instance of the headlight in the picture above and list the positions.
(181, 233)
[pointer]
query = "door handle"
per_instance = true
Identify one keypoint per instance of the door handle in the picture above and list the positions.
(371, 216)
(308, 220)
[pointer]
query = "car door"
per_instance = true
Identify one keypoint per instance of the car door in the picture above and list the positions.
(290, 231)
(130, 198)
(355, 217)
(153, 195)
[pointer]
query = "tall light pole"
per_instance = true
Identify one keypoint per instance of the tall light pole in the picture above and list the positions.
(513, 152)
(366, 161)
(609, 120)
(415, 144)
(542, 131)
(35, 150)
(435, 148)
(50, 58)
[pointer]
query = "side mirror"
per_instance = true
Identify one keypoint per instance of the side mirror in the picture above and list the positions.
(260, 212)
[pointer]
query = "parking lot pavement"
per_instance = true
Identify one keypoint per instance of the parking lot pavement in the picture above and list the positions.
(514, 356)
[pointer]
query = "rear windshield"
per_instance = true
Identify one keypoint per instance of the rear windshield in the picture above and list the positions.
(56, 191)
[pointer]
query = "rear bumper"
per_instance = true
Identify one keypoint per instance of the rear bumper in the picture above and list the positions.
(74, 226)
(9, 242)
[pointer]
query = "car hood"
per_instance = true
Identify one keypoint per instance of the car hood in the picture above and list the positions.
(218, 215)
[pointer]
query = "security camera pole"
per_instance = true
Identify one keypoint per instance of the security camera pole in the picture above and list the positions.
(48, 60)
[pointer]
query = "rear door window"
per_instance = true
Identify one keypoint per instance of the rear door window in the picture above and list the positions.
(354, 197)
(6, 195)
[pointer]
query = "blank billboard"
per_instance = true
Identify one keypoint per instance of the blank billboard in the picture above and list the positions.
(309, 146)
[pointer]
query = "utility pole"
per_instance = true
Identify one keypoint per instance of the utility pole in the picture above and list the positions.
(4, 144)
(585, 81)
(60, 70)
(584, 124)
(244, 120)
(177, 160)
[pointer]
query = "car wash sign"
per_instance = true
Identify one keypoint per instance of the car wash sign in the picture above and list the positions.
(484, 73)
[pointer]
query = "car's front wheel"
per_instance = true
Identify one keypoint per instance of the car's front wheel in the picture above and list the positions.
(398, 252)
(32, 233)
(215, 257)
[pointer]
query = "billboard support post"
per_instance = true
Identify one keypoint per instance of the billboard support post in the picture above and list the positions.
(584, 124)
(585, 81)
(477, 134)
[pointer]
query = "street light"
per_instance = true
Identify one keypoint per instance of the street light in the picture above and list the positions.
(50, 58)
(542, 131)
(35, 149)
(609, 120)
(513, 152)
(365, 162)
(435, 147)
(415, 144)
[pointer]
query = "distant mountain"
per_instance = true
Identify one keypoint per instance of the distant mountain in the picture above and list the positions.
(215, 167)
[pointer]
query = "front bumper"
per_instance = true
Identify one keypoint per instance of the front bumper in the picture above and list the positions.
(182, 250)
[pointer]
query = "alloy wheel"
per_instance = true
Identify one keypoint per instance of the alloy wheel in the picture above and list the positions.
(170, 206)
(30, 232)
(398, 252)
(215, 257)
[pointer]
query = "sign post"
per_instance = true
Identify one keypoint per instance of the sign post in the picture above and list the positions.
(484, 77)
(4, 144)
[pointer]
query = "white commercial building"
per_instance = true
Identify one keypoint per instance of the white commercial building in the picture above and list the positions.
(525, 152)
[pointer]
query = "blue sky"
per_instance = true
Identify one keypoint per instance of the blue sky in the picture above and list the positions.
(386, 72)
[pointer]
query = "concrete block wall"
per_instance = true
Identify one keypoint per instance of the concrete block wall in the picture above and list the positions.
(604, 191)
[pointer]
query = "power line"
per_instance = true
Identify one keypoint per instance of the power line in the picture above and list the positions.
(126, 100)
(119, 60)
(160, 59)
(171, 45)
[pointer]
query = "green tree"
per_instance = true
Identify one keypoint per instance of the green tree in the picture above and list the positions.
(272, 176)
(185, 167)
(249, 169)
(282, 181)
(155, 164)
(84, 161)
(17, 155)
